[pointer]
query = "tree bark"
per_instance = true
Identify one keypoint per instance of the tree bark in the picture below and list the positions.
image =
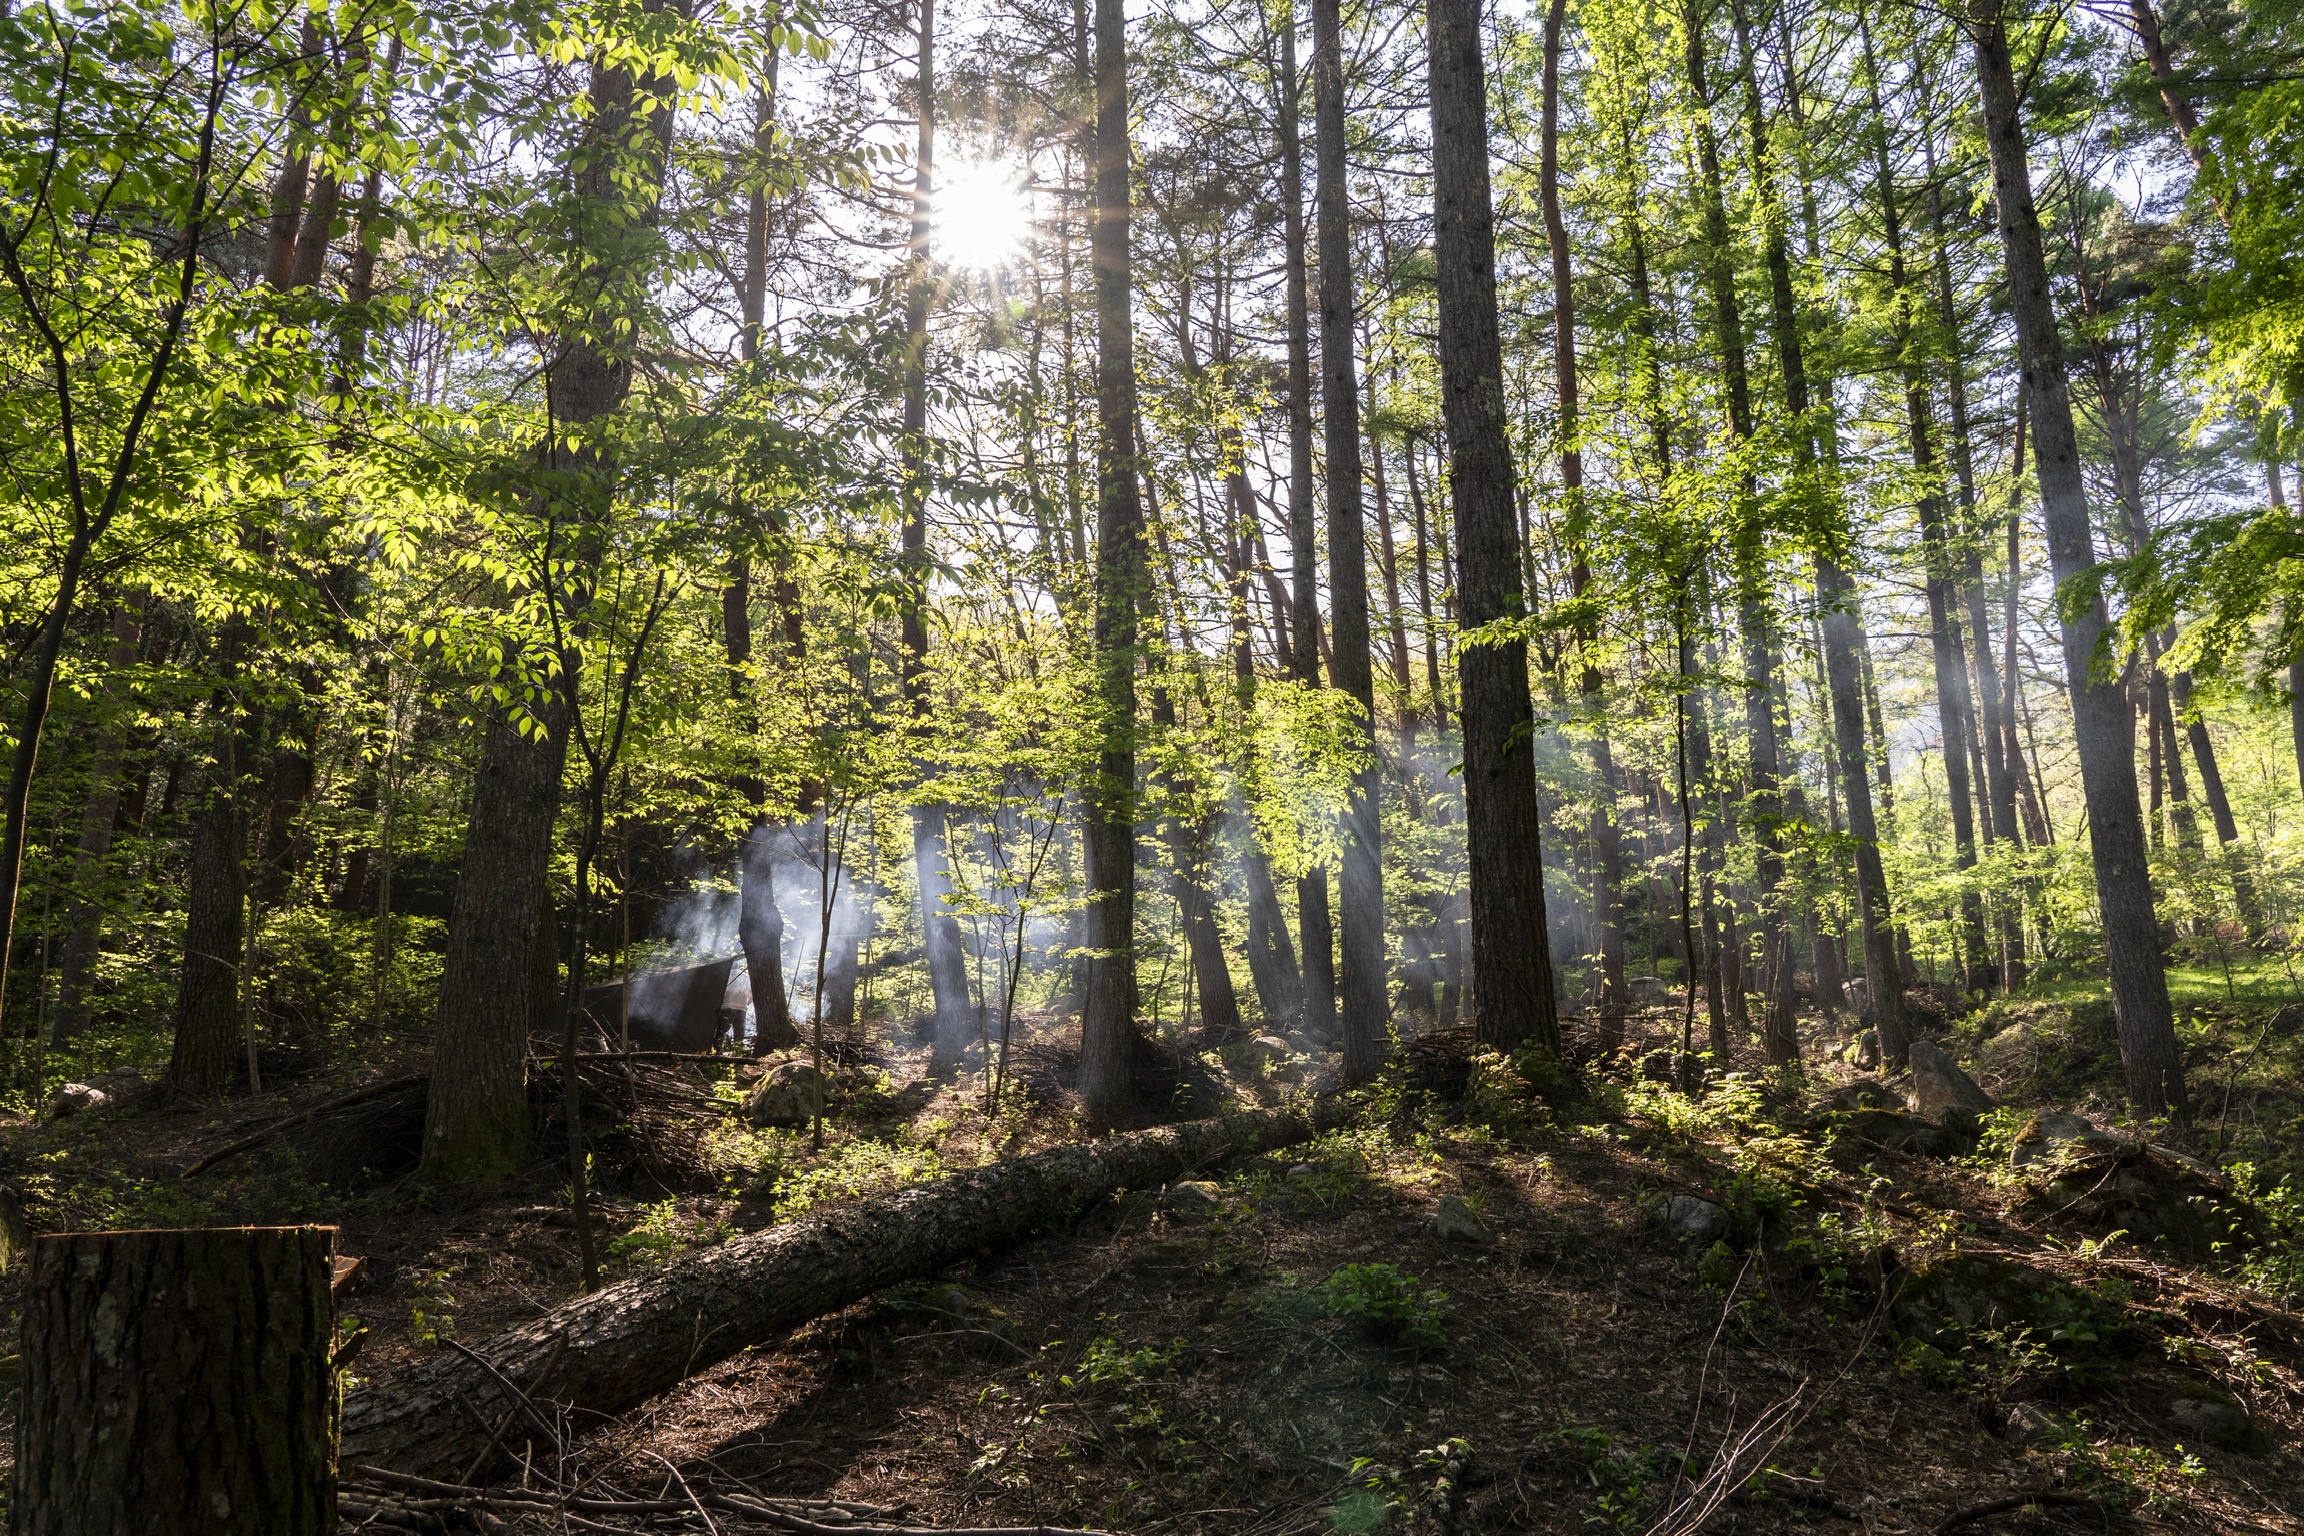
(1755, 623)
(177, 1381)
(499, 977)
(1607, 842)
(607, 1352)
(2149, 1054)
(1511, 954)
(203, 1059)
(1108, 810)
(1314, 926)
(1360, 976)
(760, 933)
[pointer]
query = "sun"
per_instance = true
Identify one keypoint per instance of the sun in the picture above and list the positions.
(983, 213)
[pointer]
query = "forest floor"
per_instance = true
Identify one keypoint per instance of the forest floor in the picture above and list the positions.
(1294, 1347)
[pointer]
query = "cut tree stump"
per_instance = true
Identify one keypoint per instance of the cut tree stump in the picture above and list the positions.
(178, 1382)
(601, 1354)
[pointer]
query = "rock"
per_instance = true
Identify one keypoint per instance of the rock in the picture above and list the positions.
(1693, 1222)
(2104, 1184)
(76, 1099)
(1859, 993)
(1649, 991)
(785, 1096)
(1864, 1093)
(1965, 1293)
(1894, 1131)
(1192, 1200)
(1940, 1089)
(1455, 1222)
(2044, 1138)
(1867, 1057)
(1301, 1171)
(2204, 1414)
(2028, 1424)
(1267, 1051)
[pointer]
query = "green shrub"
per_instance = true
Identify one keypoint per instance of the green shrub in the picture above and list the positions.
(1394, 1306)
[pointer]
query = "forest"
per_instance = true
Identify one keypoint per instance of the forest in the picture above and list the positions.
(719, 659)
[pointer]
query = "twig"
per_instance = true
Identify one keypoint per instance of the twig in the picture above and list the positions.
(521, 1400)
(691, 1493)
(341, 1101)
(526, 1500)
(2012, 1502)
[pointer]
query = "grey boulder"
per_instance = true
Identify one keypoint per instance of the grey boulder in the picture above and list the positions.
(1694, 1222)
(1939, 1088)
(1456, 1222)
(786, 1096)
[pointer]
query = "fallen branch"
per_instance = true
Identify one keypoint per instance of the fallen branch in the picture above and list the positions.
(341, 1101)
(377, 1487)
(625, 1344)
(2010, 1504)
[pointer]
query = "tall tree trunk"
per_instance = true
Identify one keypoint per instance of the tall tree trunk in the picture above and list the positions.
(2149, 1054)
(1315, 926)
(759, 920)
(1108, 810)
(1755, 623)
(952, 1026)
(1511, 951)
(1360, 979)
(205, 1055)
(1607, 842)
(501, 947)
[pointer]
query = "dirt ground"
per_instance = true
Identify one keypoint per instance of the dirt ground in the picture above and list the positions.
(1194, 1361)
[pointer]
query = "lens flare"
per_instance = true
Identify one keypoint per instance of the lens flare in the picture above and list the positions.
(983, 215)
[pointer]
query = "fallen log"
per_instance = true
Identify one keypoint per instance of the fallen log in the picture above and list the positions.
(290, 1122)
(601, 1354)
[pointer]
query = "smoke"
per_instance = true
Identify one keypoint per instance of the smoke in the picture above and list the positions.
(704, 923)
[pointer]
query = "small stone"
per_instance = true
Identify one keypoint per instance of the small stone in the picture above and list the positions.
(1193, 1200)
(1695, 1223)
(1301, 1170)
(2218, 1420)
(1940, 1088)
(1863, 1093)
(1456, 1222)
(76, 1099)
(786, 1096)
(1268, 1051)
(2028, 1424)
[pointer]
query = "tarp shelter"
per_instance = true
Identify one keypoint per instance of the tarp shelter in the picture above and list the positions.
(671, 1010)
